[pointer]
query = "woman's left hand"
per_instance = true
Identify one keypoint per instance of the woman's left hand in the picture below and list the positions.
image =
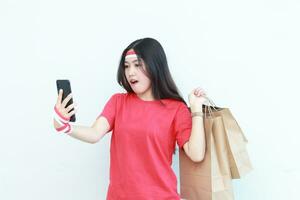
(196, 99)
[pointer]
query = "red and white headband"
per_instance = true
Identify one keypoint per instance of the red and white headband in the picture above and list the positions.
(130, 54)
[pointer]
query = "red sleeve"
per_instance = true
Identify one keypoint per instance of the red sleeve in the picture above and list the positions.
(182, 125)
(109, 110)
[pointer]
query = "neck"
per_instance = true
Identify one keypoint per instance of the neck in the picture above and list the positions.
(147, 96)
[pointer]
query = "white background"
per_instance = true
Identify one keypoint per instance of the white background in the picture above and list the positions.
(245, 55)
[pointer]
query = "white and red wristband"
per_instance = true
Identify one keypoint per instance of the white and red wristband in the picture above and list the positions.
(66, 127)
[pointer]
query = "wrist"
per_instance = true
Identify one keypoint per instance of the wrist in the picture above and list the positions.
(61, 123)
(196, 108)
(56, 124)
(194, 114)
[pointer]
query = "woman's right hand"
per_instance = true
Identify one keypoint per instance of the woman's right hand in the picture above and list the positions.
(60, 106)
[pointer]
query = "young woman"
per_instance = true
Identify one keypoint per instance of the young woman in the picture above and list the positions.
(146, 122)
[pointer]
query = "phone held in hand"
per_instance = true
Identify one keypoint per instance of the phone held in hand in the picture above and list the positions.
(66, 87)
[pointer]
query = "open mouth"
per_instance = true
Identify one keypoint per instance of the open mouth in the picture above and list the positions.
(133, 82)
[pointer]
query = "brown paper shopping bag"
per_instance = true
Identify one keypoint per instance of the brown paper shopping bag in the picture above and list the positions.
(240, 163)
(209, 179)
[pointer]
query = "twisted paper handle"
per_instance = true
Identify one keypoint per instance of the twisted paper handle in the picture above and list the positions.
(209, 105)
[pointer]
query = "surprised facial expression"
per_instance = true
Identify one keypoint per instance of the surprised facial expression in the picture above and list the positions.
(135, 75)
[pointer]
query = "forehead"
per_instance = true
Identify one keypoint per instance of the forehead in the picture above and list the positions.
(131, 60)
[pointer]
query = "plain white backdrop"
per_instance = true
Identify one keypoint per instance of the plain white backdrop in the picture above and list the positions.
(245, 54)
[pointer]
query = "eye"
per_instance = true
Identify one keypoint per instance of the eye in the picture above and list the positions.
(137, 65)
(125, 66)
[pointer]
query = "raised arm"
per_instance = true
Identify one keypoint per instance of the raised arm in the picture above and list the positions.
(84, 133)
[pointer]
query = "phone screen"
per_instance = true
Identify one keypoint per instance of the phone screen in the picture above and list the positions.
(66, 86)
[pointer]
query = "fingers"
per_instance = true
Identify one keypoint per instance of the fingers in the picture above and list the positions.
(73, 105)
(199, 92)
(60, 93)
(71, 113)
(66, 100)
(61, 106)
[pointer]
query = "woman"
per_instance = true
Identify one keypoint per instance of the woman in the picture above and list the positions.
(146, 122)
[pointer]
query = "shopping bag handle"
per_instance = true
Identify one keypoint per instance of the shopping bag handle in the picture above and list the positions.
(214, 107)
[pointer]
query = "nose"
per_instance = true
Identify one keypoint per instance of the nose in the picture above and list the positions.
(131, 70)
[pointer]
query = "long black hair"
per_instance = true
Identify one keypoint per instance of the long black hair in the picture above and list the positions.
(157, 69)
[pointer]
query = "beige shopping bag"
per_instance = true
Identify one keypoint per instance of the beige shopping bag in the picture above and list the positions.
(211, 178)
(240, 163)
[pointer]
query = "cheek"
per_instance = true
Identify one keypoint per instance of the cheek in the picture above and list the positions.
(147, 82)
(126, 73)
(144, 77)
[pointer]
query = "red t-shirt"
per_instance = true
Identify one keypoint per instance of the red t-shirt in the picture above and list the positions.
(143, 140)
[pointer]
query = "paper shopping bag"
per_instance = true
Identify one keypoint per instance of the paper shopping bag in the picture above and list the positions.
(240, 163)
(209, 179)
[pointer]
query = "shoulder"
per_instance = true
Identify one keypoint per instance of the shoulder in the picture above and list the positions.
(118, 95)
(177, 105)
(115, 97)
(182, 111)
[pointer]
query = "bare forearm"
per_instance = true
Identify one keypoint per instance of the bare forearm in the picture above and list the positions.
(83, 133)
(197, 139)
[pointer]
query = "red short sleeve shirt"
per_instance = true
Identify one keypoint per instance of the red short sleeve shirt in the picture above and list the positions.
(143, 140)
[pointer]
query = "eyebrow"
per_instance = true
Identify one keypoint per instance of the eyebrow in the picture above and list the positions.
(132, 61)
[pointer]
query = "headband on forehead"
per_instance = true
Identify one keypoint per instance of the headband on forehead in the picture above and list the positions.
(130, 54)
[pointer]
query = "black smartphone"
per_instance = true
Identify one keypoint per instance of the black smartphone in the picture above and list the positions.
(66, 86)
